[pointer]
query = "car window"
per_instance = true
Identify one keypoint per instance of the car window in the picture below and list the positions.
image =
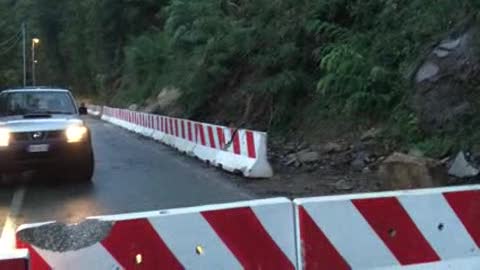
(21, 103)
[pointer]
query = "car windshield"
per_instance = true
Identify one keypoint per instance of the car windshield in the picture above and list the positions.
(23, 103)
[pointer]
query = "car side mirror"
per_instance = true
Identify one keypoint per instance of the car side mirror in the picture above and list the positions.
(82, 111)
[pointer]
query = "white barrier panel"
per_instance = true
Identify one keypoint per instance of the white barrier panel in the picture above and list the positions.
(420, 229)
(233, 150)
(245, 235)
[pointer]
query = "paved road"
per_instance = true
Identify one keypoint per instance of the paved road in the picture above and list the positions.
(132, 174)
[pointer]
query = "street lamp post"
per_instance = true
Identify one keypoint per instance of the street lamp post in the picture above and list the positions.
(35, 41)
(24, 53)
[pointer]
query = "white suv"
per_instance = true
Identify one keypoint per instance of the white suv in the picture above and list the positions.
(41, 130)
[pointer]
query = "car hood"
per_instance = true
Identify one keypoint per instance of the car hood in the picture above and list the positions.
(56, 122)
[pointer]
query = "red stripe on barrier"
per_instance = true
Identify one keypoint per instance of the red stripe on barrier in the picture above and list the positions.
(397, 230)
(162, 129)
(251, 145)
(221, 138)
(466, 205)
(171, 126)
(247, 239)
(166, 125)
(132, 237)
(158, 123)
(14, 264)
(176, 127)
(236, 142)
(36, 261)
(200, 133)
(211, 137)
(182, 125)
(317, 251)
(190, 137)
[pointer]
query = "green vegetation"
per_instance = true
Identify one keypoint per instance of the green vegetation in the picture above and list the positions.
(336, 58)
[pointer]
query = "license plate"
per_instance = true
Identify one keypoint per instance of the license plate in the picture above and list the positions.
(38, 148)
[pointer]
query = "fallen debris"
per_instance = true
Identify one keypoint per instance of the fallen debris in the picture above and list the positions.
(61, 237)
(402, 171)
(461, 168)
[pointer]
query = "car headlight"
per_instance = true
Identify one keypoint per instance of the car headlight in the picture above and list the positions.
(75, 133)
(4, 137)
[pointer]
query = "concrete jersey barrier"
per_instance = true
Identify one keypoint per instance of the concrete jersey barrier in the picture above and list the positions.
(234, 150)
(14, 259)
(431, 229)
(255, 234)
(421, 229)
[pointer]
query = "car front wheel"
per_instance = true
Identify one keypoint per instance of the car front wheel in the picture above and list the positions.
(83, 172)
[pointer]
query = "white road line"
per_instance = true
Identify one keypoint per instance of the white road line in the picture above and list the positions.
(7, 238)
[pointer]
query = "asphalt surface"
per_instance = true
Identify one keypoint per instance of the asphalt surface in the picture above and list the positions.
(132, 174)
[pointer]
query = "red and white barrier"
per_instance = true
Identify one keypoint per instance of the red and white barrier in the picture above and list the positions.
(233, 150)
(16, 259)
(245, 235)
(421, 229)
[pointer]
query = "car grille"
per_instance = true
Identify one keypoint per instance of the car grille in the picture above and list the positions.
(36, 136)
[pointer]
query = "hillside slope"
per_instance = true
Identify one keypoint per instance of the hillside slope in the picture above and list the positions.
(314, 69)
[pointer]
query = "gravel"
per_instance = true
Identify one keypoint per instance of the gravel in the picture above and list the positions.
(60, 237)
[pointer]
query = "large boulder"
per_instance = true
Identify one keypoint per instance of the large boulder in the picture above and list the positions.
(462, 168)
(445, 83)
(402, 171)
(307, 156)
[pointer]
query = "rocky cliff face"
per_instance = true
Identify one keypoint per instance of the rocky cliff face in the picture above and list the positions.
(446, 83)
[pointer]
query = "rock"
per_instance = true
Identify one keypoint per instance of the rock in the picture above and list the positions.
(370, 134)
(427, 71)
(402, 171)
(303, 146)
(449, 44)
(440, 53)
(416, 152)
(308, 156)
(445, 160)
(330, 147)
(461, 168)
(291, 159)
(344, 184)
(290, 147)
(133, 107)
(358, 164)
